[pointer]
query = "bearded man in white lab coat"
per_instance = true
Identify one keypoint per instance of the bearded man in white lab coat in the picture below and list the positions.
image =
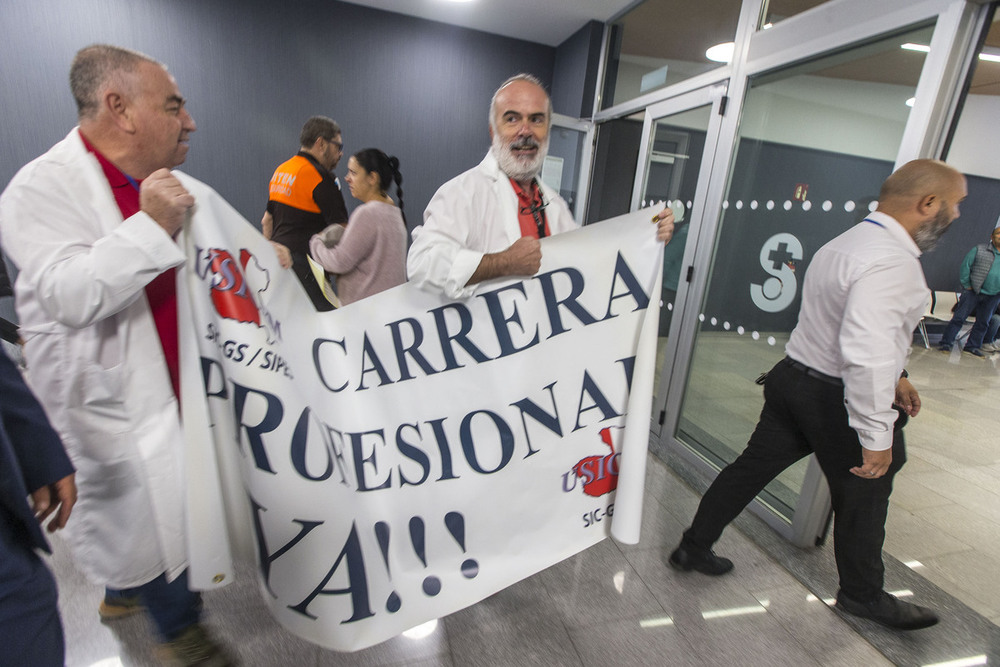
(91, 227)
(487, 222)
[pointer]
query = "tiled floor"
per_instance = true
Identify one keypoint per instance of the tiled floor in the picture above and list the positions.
(621, 605)
(944, 519)
(945, 513)
(610, 605)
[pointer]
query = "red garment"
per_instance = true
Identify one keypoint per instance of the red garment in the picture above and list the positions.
(161, 292)
(526, 202)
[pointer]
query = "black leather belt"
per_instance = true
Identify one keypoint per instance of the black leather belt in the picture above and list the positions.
(813, 373)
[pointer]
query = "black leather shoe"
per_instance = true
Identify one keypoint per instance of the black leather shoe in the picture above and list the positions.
(705, 561)
(889, 611)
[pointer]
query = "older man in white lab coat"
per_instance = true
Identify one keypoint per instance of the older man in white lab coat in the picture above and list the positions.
(90, 226)
(487, 222)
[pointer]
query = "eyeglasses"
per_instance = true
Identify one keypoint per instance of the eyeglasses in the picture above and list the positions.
(537, 207)
(338, 144)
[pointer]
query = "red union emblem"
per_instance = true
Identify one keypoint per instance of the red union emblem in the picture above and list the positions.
(230, 295)
(598, 473)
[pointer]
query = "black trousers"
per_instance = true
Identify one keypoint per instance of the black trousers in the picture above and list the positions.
(803, 414)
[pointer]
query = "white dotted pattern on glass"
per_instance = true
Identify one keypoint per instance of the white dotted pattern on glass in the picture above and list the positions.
(770, 205)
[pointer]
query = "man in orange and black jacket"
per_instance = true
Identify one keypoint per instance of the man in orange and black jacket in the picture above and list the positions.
(304, 198)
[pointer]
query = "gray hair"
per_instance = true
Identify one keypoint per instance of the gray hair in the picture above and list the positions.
(97, 65)
(528, 78)
(318, 127)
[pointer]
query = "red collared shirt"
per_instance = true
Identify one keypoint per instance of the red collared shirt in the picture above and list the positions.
(161, 292)
(526, 203)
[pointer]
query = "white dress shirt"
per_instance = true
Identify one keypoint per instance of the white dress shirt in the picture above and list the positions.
(863, 296)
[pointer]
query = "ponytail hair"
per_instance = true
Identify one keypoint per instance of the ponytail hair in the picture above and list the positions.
(375, 161)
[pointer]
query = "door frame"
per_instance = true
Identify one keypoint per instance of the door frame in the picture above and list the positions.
(586, 159)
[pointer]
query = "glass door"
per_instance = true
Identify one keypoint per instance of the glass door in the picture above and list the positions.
(570, 148)
(615, 154)
(678, 141)
(814, 143)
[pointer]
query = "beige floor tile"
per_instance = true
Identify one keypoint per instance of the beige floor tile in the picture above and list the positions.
(909, 537)
(910, 495)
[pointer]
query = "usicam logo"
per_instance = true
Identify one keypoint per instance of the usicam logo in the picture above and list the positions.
(598, 474)
(231, 295)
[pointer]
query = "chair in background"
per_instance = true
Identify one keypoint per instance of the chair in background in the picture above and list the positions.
(940, 310)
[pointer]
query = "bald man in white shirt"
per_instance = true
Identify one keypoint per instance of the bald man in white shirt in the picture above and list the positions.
(835, 391)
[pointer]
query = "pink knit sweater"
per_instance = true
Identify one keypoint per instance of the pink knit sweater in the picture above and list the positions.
(371, 256)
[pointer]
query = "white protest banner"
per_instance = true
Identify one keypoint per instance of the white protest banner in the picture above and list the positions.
(406, 456)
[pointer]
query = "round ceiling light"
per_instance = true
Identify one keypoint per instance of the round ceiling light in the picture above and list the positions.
(721, 53)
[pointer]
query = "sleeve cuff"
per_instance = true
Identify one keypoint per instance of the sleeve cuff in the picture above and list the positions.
(146, 233)
(876, 441)
(464, 265)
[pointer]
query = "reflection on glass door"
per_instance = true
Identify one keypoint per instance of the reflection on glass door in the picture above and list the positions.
(673, 163)
(640, 61)
(815, 143)
(569, 151)
(974, 128)
(776, 11)
(615, 158)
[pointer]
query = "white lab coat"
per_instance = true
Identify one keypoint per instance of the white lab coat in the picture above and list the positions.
(96, 363)
(472, 214)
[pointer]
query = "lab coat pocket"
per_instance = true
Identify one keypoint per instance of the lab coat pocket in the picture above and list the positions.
(97, 411)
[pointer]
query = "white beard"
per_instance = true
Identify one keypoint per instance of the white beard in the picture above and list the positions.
(519, 168)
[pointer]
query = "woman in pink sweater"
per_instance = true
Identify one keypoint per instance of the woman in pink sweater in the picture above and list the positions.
(369, 255)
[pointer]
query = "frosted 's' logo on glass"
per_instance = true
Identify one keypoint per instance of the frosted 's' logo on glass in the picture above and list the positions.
(777, 257)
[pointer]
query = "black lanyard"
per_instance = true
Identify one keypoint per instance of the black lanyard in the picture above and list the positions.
(536, 209)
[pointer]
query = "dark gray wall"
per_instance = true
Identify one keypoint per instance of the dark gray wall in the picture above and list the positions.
(614, 168)
(577, 62)
(253, 71)
(770, 171)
